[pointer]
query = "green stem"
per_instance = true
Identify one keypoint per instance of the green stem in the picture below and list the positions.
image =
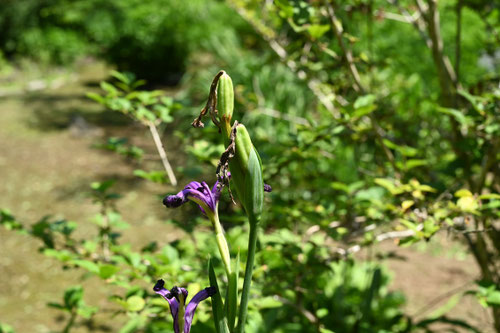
(222, 244)
(71, 322)
(252, 244)
(219, 235)
(182, 309)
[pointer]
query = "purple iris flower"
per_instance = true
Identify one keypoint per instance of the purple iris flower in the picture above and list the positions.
(176, 298)
(200, 193)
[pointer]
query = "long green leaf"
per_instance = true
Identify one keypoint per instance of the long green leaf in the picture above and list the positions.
(232, 295)
(220, 320)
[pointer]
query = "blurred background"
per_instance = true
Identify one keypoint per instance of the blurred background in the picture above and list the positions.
(378, 127)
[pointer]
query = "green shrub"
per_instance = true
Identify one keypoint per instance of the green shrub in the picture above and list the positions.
(153, 39)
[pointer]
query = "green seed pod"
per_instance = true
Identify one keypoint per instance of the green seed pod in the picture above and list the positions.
(225, 99)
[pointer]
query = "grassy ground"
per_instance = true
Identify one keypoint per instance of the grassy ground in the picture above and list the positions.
(47, 163)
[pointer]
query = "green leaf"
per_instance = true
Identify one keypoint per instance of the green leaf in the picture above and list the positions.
(407, 204)
(9, 221)
(73, 297)
(106, 271)
(88, 265)
(133, 324)
(324, 330)
(4, 328)
(266, 303)
(135, 303)
(55, 306)
(457, 115)
(123, 77)
(414, 163)
(102, 186)
(87, 311)
(474, 101)
(404, 150)
(159, 177)
(493, 298)
(61, 255)
(96, 97)
(463, 193)
(217, 305)
(364, 105)
(232, 295)
(410, 225)
(286, 10)
(468, 204)
(489, 196)
(109, 88)
(388, 185)
(318, 30)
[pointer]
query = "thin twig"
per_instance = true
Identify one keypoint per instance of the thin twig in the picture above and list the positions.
(446, 75)
(163, 154)
(489, 159)
(379, 238)
(338, 30)
(440, 298)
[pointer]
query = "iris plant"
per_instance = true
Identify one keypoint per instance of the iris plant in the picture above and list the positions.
(243, 161)
(182, 314)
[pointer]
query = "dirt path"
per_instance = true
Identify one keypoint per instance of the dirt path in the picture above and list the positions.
(436, 274)
(46, 165)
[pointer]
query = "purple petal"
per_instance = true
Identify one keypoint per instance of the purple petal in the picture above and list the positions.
(216, 191)
(174, 305)
(174, 201)
(267, 188)
(193, 186)
(176, 291)
(199, 191)
(203, 194)
(191, 307)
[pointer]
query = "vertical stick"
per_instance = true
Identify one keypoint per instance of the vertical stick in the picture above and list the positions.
(163, 154)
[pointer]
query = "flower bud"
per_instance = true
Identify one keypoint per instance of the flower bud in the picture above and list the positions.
(245, 166)
(225, 100)
(246, 171)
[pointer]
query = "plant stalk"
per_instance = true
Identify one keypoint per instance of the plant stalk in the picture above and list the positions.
(222, 244)
(245, 295)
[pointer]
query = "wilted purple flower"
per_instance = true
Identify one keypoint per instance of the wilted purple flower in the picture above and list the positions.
(176, 298)
(200, 193)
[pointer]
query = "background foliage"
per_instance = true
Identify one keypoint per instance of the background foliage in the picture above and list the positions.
(386, 143)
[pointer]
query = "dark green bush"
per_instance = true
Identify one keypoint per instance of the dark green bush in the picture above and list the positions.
(153, 39)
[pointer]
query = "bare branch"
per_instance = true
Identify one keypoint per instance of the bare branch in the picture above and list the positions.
(163, 154)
